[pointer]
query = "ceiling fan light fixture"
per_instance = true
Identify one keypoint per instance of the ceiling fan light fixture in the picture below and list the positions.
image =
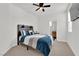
(41, 6)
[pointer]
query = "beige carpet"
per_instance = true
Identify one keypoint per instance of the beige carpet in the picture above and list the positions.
(59, 49)
(62, 49)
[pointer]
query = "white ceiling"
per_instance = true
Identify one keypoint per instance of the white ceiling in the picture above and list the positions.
(50, 11)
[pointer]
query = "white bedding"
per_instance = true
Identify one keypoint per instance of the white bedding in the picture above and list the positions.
(32, 40)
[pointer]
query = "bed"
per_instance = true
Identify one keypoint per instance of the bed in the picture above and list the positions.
(41, 42)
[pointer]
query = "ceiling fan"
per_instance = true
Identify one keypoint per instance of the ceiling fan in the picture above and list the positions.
(41, 5)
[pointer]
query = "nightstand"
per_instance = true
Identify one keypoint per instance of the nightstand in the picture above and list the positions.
(54, 34)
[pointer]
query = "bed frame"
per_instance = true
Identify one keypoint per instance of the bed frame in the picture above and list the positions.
(21, 27)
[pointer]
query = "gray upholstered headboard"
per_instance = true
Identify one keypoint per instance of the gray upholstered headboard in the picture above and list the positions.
(25, 27)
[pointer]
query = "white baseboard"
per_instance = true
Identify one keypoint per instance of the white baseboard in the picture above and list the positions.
(61, 40)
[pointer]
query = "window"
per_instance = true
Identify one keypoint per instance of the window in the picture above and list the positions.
(50, 23)
(69, 23)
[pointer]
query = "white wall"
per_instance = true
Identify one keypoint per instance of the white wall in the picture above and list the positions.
(4, 30)
(73, 37)
(10, 16)
(61, 20)
(43, 25)
(62, 27)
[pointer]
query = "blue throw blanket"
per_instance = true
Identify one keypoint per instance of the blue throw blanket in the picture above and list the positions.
(43, 45)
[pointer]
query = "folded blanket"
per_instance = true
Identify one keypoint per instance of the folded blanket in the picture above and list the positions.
(44, 44)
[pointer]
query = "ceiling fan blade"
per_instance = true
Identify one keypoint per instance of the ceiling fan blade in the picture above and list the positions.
(46, 6)
(37, 9)
(35, 4)
(43, 10)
